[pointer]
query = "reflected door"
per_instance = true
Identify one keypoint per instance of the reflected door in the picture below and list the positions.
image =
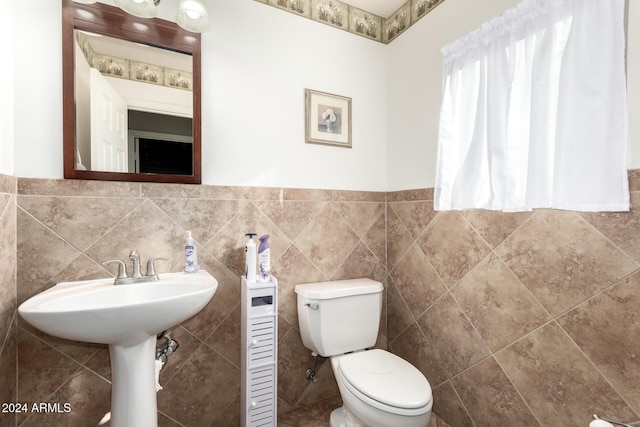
(108, 127)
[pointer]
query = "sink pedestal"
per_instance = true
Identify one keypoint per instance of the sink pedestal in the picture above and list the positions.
(133, 385)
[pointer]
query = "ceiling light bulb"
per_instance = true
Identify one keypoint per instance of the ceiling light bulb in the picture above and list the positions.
(140, 8)
(192, 16)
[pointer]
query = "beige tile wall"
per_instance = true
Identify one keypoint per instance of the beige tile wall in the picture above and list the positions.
(518, 319)
(67, 228)
(8, 349)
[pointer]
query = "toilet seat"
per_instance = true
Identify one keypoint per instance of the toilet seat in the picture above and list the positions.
(386, 381)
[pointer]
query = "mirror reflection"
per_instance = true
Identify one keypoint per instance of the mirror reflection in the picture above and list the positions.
(134, 107)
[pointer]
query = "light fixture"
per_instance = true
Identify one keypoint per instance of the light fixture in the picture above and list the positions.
(192, 16)
(141, 8)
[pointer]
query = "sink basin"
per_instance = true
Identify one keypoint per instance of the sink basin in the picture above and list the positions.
(127, 318)
(99, 311)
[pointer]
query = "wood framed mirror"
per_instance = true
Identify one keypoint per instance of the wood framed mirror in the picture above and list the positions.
(153, 132)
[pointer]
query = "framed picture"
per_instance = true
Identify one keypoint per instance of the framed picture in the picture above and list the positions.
(328, 119)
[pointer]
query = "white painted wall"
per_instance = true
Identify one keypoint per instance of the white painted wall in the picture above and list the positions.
(6, 100)
(38, 88)
(257, 61)
(415, 87)
(256, 66)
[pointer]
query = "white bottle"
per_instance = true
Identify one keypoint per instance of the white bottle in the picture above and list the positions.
(264, 260)
(191, 255)
(250, 263)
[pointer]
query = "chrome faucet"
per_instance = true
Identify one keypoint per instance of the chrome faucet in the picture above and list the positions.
(136, 277)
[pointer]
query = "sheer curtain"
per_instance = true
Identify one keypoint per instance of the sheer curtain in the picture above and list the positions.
(534, 111)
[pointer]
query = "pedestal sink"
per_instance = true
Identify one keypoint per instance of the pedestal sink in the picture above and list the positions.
(127, 318)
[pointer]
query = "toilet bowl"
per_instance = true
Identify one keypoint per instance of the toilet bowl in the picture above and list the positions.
(340, 320)
(380, 389)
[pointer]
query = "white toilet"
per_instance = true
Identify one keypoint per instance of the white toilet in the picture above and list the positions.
(340, 320)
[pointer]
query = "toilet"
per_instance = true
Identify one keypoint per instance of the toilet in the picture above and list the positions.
(340, 320)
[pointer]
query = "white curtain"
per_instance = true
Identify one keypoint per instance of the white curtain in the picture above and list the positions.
(534, 111)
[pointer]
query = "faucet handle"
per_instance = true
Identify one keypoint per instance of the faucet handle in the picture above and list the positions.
(150, 266)
(122, 268)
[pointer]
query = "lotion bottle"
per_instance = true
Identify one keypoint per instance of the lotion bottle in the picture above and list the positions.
(191, 255)
(250, 264)
(264, 260)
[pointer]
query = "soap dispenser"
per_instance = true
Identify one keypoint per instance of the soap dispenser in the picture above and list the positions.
(191, 255)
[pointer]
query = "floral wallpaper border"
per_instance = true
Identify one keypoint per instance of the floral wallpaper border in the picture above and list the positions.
(357, 21)
(133, 70)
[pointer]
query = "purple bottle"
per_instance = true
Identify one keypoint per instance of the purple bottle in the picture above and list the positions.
(264, 260)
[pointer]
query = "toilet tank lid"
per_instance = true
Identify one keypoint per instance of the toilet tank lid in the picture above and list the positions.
(338, 288)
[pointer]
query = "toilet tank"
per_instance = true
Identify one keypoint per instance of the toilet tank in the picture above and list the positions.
(339, 316)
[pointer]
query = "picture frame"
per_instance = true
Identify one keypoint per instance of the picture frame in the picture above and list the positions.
(327, 119)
